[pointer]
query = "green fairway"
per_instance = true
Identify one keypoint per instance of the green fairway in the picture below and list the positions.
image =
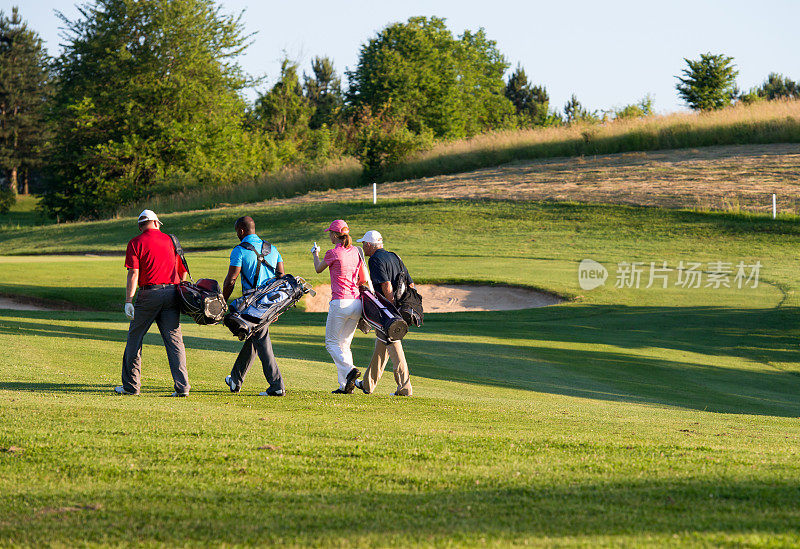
(528, 244)
(623, 417)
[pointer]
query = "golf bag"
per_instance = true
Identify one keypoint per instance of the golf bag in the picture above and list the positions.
(203, 300)
(408, 300)
(262, 306)
(384, 317)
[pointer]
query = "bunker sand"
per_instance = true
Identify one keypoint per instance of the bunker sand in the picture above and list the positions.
(449, 298)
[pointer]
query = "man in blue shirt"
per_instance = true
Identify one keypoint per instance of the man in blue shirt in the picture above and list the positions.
(245, 262)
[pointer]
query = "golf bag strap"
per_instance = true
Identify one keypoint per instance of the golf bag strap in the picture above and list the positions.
(364, 261)
(179, 253)
(403, 272)
(266, 248)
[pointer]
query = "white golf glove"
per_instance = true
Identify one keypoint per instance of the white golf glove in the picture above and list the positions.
(315, 248)
(129, 310)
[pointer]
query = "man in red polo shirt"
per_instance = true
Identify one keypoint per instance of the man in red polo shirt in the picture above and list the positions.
(156, 269)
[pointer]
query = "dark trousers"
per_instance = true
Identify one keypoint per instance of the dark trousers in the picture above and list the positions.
(258, 344)
(159, 306)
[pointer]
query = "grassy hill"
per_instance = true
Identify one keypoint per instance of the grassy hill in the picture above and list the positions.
(763, 123)
(625, 417)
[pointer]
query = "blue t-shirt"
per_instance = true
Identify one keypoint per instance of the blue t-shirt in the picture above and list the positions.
(248, 261)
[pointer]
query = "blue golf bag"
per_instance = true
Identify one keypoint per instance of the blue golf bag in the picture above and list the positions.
(262, 306)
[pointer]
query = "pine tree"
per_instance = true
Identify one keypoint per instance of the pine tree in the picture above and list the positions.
(777, 86)
(284, 111)
(24, 87)
(324, 91)
(574, 111)
(532, 102)
(709, 83)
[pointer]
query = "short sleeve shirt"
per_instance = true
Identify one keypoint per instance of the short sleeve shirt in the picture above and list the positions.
(344, 265)
(248, 261)
(384, 266)
(153, 253)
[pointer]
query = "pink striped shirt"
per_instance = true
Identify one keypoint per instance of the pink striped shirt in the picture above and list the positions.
(345, 267)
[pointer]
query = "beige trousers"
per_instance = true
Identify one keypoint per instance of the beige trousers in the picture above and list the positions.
(378, 363)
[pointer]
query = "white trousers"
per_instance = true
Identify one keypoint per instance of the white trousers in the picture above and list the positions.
(343, 315)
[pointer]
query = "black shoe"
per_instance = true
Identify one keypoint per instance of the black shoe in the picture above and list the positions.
(360, 385)
(338, 392)
(351, 381)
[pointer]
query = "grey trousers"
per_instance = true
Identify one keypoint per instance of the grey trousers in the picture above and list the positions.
(161, 306)
(258, 344)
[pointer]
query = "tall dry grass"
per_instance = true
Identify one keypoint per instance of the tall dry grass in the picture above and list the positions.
(766, 122)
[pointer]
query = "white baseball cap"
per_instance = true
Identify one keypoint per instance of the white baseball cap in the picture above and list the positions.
(371, 237)
(148, 215)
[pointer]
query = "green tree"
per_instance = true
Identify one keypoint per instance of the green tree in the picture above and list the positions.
(149, 93)
(283, 114)
(7, 199)
(324, 91)
(777, 86)
(24, 89)
(431, 80)
(641, 109)
(709, 83)
(531, 102)
(284, 111)
(380, 140)
(574, 111)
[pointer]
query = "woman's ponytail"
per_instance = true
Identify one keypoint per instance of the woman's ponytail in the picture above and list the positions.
(345, 239)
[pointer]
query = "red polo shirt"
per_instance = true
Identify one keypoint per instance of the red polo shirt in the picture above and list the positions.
(153, 253)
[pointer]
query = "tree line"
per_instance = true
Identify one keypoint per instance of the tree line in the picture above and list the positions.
(147, 97)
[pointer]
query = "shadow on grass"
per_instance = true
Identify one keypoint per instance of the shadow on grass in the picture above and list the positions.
(702, 358)
(251, 515)
(44, 387)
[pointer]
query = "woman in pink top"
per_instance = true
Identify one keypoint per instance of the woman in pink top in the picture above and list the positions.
(348, 272)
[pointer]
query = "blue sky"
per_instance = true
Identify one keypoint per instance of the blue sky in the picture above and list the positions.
(610, 53)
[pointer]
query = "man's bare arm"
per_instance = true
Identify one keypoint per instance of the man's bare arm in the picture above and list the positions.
(387, 291)
(230, 281)
(279, 269)
(130, 288)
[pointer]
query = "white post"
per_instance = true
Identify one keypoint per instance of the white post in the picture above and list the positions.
(374, 193)
(774, 207)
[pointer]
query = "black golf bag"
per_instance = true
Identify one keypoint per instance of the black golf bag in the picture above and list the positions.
(409, 302)
(203, 300)
(384, 317)
(263, 305)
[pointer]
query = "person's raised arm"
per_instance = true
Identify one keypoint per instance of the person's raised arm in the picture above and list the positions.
(230, 281)
(319, 264)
